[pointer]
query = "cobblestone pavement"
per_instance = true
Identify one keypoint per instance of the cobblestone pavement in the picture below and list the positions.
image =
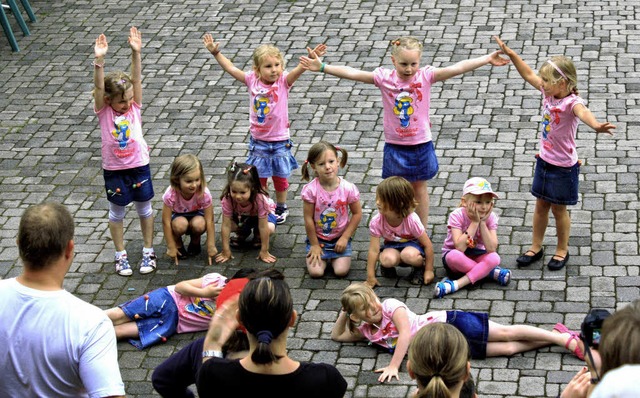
(485, 124)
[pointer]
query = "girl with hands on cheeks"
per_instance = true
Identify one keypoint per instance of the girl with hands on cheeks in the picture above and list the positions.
(328, 199)
(471, 243)
(246, 209)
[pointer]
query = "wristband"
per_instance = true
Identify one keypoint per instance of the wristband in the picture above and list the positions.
(322, 67)
(211, 353)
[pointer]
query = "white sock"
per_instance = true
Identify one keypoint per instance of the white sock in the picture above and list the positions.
(147, 251)
(120, 254)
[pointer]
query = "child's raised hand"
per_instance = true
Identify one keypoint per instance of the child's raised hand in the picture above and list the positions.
(266, 257)
(212, 46)
(319, 51)
(135, 39)
(224, 256)
(101, 47)
(496, 60)
(173, 254)
(312, 64)
(388, 373)
(503, 47)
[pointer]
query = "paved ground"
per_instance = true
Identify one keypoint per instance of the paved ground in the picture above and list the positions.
(485, 125)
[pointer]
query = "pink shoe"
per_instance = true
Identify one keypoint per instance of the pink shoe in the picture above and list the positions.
(572, 336)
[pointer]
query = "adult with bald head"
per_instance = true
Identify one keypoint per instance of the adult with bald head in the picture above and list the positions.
(52, 343)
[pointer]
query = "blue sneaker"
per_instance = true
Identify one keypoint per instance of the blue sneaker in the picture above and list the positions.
(501, 275)
(443, 288)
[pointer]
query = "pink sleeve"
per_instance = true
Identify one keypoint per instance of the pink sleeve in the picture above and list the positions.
(353, 194)
(492, 222)
(169, 198)
(227, 207)
(213, 278)
(414, 225)
(375, 228)
(457, 218)
(309, 193)
(379, 75)
(263, 206)
(205, 200)
(249, 78)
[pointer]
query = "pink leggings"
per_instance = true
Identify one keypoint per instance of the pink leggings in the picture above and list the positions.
(279, 183)
(475, 268)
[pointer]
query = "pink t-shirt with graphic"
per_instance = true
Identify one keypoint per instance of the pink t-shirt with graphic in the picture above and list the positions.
(268, 108)
(194, 313)
(409, 229)
(331, 214)
(123, 146)
(406, 105)
(174, 200)
(387, 334)
(262, 207)
(559, 129)
(458, 219)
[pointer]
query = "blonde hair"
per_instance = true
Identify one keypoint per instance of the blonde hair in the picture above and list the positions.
(116, 83)
(438, 357)
(396, 193)
(550, 74)
(316, 151)
(405, 43)
(183, 165)
(465, 198)
(266, 50)
(356, 297)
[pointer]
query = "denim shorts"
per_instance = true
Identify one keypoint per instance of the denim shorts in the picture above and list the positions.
(555, 184)
(129, 185)
(188, 215)
(158, 317)
(475, 328)
(328, 252)
(247, 224)
(272, 158)
(413, 162)
(401, 245)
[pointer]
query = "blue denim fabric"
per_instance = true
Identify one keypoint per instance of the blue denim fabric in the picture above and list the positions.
(272, 158)
(119, 185)
(413, 162)
(158, 317)
(475, 328)
(555, 184)
(328, 252)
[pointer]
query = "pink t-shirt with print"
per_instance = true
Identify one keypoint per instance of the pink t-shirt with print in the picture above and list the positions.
(387, 334)
(262, 207)
(406, 105)
(194, 313)
(458, 219)
(174, 200)
(331, 214)
(559, 129)
(123, 146)
(409, 229)
(268, 108)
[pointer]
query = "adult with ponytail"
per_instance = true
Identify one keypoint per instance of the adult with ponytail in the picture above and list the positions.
(439, 360)
(265, 309)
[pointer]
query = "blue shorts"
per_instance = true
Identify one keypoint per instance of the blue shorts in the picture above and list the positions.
(188, 215)
(157, 319)
(413, 162)
(328, 252)
(247, 224)
(475, 328)
(555, 184)
(272, 158)
(401, 245)
(129, 185)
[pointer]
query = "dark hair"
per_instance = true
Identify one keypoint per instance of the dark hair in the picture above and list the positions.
(44, 233)
(620, 341)
(265, 309)
(316, 151)
(245, 173)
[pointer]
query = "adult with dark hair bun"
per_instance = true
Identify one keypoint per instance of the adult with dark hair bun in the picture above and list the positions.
(265, 309)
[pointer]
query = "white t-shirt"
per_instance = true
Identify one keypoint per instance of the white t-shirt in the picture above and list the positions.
(53, 344)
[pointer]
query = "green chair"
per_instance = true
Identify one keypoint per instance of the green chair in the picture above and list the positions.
(16, 12)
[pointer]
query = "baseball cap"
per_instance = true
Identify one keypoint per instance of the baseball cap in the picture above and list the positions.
(478, 186)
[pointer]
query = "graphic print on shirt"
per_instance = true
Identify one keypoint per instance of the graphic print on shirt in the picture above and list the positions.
(388, 332)
(403, 108)
(121, 133)
(261, 107)
(201, 307)
(549, 117)
(328, 220)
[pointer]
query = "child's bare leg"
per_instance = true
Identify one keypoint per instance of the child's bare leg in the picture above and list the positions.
(563, 229)
(316, 270)
(117, 316)
(146, 225)
(197, 226)
(179, 226)
(422, 196)
(127, 330)
(281, 196)
(341, 266)
(411, 256)
(117, 234)
(540, 223)
(389, 258)
(505, 340)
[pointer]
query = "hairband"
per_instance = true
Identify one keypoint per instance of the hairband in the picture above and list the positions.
(246, 171)
(337, 148)
(306, 161)
(122, 81)
(264, 336)
(550, 62)
(233, 166)
(395, 42)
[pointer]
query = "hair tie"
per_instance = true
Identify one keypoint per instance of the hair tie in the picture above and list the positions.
(395, 42)
(232, 168)
(264, 336)
(550, 62)
(246, 171)
(337, 148)
(306, 161)
(122, 81)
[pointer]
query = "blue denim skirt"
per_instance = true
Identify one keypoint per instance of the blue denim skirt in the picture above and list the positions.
(328, 246)
(475, 328)
(401, 245)
(272, 158)
(413, 162)
(555, 184)
(128, 185)
(158, 317)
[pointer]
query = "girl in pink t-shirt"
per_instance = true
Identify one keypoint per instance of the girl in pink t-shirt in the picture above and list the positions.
(188, 209)
(406, 101)
(392, 325)
(405, 240)
(327, 202)
(246, 209)
(472, 240)
(125, 154)
(268, 84)
(555, 181)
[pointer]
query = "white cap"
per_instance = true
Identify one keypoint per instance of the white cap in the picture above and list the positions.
(478, 186)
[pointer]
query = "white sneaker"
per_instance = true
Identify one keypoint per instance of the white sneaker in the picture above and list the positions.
(148, 263)
(282, 217)
(122, 266)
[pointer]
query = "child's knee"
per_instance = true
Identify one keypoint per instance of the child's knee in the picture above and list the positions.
(116, 212)
(144, 209)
